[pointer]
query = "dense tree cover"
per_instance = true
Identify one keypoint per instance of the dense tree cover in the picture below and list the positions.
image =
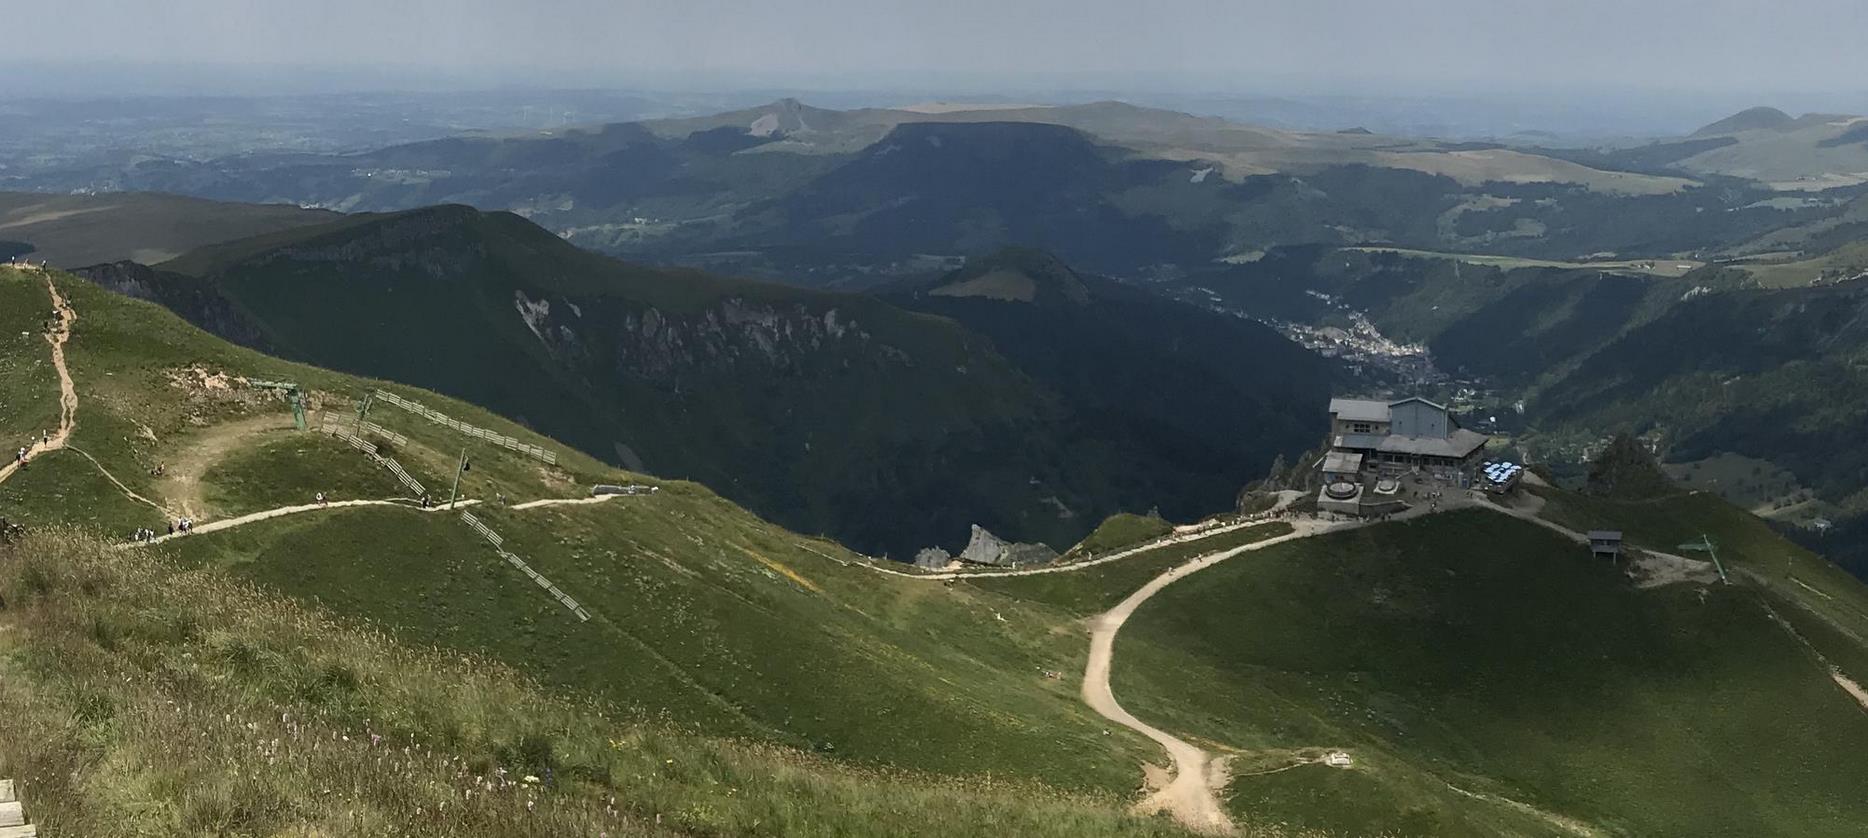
(1626, 471)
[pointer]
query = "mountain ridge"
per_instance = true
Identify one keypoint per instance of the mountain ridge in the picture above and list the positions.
(1761, 117)
(894, 428)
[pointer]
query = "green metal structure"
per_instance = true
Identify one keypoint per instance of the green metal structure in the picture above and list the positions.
(1706, 545)
(294, 395)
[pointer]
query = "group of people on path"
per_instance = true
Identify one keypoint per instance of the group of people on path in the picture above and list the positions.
(25, 452)
(185, 525)
(179, 525)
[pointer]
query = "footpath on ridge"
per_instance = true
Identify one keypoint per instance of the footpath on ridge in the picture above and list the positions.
(67, 391)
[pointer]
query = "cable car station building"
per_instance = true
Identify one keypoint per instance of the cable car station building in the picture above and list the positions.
(1393, 438)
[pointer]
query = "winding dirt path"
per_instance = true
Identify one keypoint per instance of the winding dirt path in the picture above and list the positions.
(280, 512)
(269, 514)
(126, 490)
(534, 504)
(1191, 795)
(180, 483)
(67, 391)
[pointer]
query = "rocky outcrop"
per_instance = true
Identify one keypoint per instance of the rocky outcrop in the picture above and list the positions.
(933, 558)
(733, 334)
(988, 549)
(198, 301)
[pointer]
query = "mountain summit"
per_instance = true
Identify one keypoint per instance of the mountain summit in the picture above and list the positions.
(1750, 119)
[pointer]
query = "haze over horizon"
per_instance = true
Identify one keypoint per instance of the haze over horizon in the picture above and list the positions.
(1802, 55)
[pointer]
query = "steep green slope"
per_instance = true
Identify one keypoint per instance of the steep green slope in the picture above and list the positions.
(1206, 397)
(1768, 374)
(1483, 676)
(701, 613)
(1489, 677)
(702, 617)
(147, 699)
(889, 429)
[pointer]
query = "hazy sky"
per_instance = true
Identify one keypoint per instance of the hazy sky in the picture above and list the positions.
(1249, 45)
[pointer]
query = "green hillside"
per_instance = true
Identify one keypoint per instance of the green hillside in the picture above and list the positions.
(1483, 675)
(886, 428)
(1488, 677)
(1773, 375)
(704, 619)
(144, 698)
(1225, 395)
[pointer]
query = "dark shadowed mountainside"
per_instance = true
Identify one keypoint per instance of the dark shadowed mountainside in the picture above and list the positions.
(836, 413)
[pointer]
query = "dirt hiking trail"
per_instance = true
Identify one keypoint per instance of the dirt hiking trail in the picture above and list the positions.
(267, 515)
(67, 391)
(180, 483)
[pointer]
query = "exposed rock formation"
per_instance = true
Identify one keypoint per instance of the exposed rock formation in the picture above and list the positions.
(986, 548)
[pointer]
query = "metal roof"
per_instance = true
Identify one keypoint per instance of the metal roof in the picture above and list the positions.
(1342, 462)
(1458, 445)
(1359, 410)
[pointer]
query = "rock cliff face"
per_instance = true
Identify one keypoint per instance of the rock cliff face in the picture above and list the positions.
(733, 336)
(196, 301)
(988, 549)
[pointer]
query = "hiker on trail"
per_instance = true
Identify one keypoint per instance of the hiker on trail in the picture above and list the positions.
(320, 498)
(171, 528)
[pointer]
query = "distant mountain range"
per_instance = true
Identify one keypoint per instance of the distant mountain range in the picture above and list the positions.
(856, 197)
(1808, 156)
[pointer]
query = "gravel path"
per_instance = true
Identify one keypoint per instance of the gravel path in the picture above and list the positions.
(67, 391)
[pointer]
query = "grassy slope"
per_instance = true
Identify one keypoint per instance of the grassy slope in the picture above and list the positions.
(676, 365)
(144, 699)
(279, 472)
(699, 622)
(1123, 529)
(1485, 653)
(708, 618)
(1790, 575)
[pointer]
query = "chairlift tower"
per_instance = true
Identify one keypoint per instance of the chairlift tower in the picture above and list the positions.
(294, 395)
(1706, 545)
